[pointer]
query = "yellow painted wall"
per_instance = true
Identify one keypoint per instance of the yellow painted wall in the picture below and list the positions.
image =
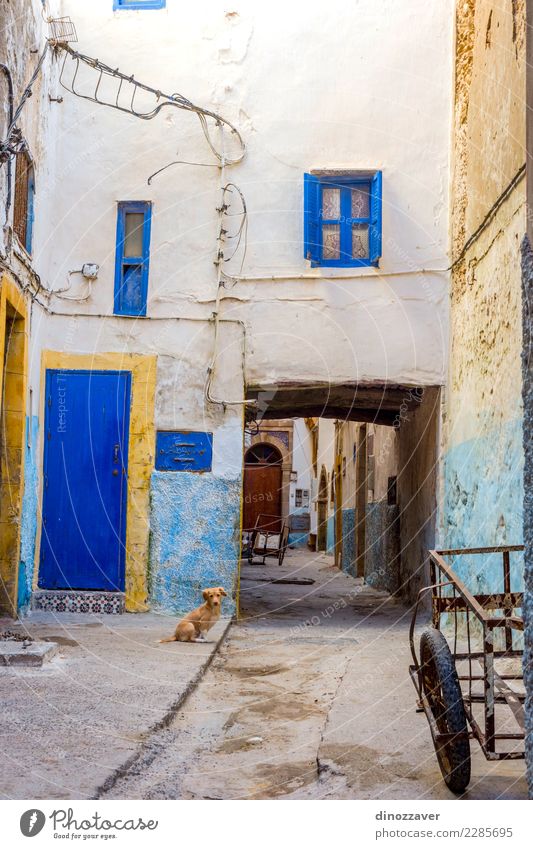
(13, 395)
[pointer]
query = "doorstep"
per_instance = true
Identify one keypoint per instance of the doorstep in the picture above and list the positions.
(78, 601)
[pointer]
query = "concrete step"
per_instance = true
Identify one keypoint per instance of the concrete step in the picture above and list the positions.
(18, 653)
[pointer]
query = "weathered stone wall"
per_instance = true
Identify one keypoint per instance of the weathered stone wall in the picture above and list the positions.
(23, 34)
(482, 423)
(527, 366)
(485, 429)
(348, 542)
(22, 41)
(382, 559)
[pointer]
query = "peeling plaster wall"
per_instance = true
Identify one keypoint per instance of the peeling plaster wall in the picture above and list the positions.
(482, 433)
(29, 514)
(195, 525)
(195, 536)
(23, 34)
(22, 39)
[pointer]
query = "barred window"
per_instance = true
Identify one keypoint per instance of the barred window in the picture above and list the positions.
(23, 200)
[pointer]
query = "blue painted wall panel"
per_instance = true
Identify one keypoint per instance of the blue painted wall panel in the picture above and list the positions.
(348, 541)
(195, 539)
(483, 503)
(28, 530)
(330, 535)
(299, 539)
(382, 558)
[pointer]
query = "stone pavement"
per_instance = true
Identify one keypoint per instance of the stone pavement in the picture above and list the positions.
(308, 698)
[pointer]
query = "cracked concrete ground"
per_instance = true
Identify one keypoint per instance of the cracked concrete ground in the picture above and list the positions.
(308, 698)
(69, 726)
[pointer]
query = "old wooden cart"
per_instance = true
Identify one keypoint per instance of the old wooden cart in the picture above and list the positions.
(470, 686)
(269, 538)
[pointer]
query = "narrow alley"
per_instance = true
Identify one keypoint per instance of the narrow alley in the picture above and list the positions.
(266, 387)
(308, 698)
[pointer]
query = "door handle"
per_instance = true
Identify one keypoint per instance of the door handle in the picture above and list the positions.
(115, 453)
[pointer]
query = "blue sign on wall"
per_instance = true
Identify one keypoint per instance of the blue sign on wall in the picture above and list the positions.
(183, 451)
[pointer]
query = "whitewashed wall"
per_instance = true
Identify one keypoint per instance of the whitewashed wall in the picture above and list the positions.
(302, 463)
(354, 85)
(347, 85)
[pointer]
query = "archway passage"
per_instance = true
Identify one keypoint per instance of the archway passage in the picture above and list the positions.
(262, 486)
(366, 530)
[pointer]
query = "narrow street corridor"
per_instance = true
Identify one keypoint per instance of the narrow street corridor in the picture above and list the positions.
(308, 698)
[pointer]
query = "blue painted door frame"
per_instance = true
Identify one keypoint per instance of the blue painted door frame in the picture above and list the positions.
(83, 538)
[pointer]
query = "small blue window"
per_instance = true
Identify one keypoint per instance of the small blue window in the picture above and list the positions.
(132, 257)
(139, 4)
(342, 219)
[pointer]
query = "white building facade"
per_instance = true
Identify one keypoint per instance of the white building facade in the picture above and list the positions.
(199, 289)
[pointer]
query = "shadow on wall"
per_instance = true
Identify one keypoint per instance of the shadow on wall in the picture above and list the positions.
(417, 491)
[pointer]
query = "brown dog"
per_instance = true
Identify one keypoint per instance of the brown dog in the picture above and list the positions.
(199, 621)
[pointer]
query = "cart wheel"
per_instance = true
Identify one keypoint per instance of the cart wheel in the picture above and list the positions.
(443, 692)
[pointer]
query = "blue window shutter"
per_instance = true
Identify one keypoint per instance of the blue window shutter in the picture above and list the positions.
(312, 239)
(131, 273)
(139, 4)
(375, 218)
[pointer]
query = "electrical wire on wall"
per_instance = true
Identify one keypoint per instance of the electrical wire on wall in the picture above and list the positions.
(14, 142)
(123, 94)
(126, 90)
(123, 98)
(59, 293)
(223, 236)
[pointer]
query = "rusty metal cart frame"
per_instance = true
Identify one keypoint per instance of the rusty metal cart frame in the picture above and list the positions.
(448, 700)
(281, 537)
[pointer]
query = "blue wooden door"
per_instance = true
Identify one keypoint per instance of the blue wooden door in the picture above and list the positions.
(85, 480)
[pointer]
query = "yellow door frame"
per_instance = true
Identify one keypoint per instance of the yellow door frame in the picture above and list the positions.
(141, 452)
(13, 379)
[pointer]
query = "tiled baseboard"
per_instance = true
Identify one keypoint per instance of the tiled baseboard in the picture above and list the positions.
(78, 601)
